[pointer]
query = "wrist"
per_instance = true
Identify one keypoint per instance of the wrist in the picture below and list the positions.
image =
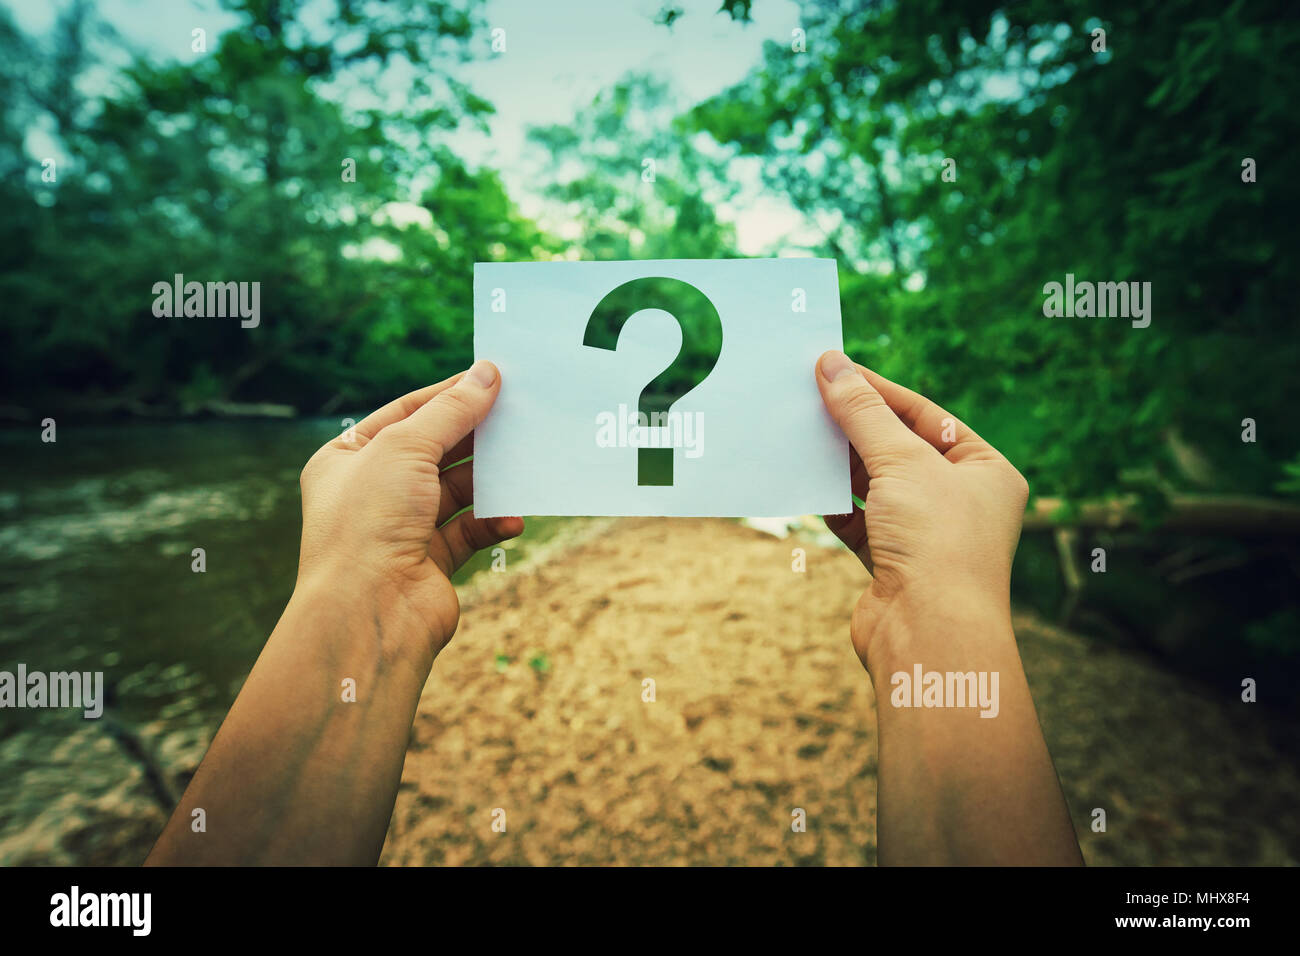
(946, 626)
(366, 617)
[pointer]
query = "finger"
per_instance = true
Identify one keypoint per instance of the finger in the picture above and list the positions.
(859, 480)
(851, 528)
(463, 449)
(401, 408)
(879, 436)
(457, 489)
(466, 534)
(441, 423)
(945, 432)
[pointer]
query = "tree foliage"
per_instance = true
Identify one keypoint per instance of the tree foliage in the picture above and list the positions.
(233, 168)
(1122, 164)
(1115, 164)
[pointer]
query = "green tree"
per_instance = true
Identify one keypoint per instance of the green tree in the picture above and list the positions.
(1115, 164)
(636, 185)
(237, 167)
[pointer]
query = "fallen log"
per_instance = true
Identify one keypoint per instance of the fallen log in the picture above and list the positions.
(1233, 515)
(169, 411)
(225, 409)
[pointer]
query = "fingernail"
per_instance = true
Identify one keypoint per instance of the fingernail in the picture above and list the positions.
(483, 373)
(835, 365)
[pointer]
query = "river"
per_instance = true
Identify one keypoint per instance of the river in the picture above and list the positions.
(96, 574)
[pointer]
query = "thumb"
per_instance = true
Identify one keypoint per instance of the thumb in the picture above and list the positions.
(450, 415)
(879, 436)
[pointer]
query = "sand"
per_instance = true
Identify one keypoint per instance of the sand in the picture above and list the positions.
(535, 742)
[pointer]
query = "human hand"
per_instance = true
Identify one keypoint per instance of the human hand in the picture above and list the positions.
(942, 517)
(378, 501)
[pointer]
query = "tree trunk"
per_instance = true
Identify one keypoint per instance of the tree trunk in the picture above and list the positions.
(1234, 515)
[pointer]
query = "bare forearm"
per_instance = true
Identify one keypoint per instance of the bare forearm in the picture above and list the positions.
(300, 772)
(957, 787)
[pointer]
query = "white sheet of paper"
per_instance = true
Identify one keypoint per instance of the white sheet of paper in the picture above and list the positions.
(753, 438)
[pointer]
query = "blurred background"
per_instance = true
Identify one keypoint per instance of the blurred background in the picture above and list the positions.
(356, 157)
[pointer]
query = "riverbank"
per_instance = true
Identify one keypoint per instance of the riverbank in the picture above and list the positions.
(760, 708)
(539, 708)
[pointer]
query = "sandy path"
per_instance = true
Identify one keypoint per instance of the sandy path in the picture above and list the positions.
(761, 707)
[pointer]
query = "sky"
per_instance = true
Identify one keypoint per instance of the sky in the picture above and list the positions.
(558, 56)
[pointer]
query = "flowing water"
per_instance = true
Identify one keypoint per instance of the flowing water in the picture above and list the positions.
(96, 541)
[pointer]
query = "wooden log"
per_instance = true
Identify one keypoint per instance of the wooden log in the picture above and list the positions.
(224, 409)
(1232, 515)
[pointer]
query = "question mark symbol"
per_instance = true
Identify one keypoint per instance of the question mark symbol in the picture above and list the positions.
(701, 346)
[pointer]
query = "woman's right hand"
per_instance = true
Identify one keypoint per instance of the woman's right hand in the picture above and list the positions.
(943, 510)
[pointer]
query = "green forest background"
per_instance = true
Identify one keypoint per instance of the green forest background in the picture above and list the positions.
(1122, 164)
